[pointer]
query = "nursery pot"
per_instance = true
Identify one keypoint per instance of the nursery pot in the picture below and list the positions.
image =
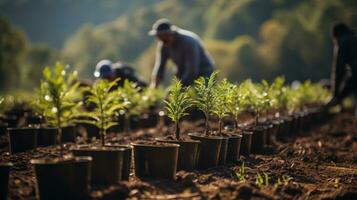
(3, 128)
(285, 128)
(246, 143)
(233, 149)
(223, 151)
(258, 138)
(4, 179)
(68, 134)
(209, 151)
(107, 164)
(148, 120)
(158, 161)
(92, 130)
(188, 153)
(46, 136)
(22, 139)
(59, 179)
(269, 133)
(127, 153)
(11, 120)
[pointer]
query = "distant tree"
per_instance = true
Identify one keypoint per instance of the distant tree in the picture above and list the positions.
(12, 49)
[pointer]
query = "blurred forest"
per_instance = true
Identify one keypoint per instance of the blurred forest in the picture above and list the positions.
(247, 38)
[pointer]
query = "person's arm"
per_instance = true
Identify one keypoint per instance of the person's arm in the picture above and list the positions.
(338, 69)
(160, 65)
(191, 64)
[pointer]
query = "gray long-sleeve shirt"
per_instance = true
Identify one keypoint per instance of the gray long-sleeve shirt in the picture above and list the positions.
(189, 56)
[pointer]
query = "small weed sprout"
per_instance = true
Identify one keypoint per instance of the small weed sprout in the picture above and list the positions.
(177, 104)
(106, 105)
(241, 173)
(204, 96)
(262, 180)
(55, 98)
(284, 180)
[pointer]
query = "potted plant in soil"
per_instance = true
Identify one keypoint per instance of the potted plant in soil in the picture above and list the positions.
(20, 138)
(72, 173)
(177, 105)
(235, 105)
(153, 98)
(210, 145)
(257, 101)
(136, 103)
(106, 104)
(221, 96)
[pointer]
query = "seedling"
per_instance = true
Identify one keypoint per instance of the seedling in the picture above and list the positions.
(262, 180)
(177, 104)
(204, 96)
(257, 98)
(56, 98)
(241, 173)
(135, 101)
(284, 180)
(106, 105)
(221, 95)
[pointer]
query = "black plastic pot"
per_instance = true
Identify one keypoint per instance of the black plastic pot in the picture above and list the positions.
(11, 120)
(46, 136)
(274, 131)
(223, 151)
(258, 138)
(148, 120)
(4, 179)
(126, 160)
(209, 152)
(188, 153)
(62, 179)
(269, 133)
(3, 128)
(246, 143)
(158, 161)
(285, 128)
(69, 134)
(22, 139)
(92, 131)
(233, 149)
(107, 164)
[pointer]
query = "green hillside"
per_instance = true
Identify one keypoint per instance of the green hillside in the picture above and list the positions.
(247, 38)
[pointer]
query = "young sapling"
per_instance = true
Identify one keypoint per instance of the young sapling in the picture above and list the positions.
(221, 92)
(204, 96)
(106, 104)
(56, 98)
(177, 104)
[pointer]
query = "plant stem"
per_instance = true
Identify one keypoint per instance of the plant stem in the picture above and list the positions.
(59, 132)
(206, 125)
(220, 126)
(102, 136)
(177, 130)
(236, 123)
(127, 123)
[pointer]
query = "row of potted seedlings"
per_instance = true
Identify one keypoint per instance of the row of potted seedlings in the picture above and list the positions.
(279, 110)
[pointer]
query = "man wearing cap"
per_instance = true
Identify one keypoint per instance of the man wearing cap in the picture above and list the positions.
(184, 48)
(105, 69)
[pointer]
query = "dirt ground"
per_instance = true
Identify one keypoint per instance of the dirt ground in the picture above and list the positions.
(318, 164)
